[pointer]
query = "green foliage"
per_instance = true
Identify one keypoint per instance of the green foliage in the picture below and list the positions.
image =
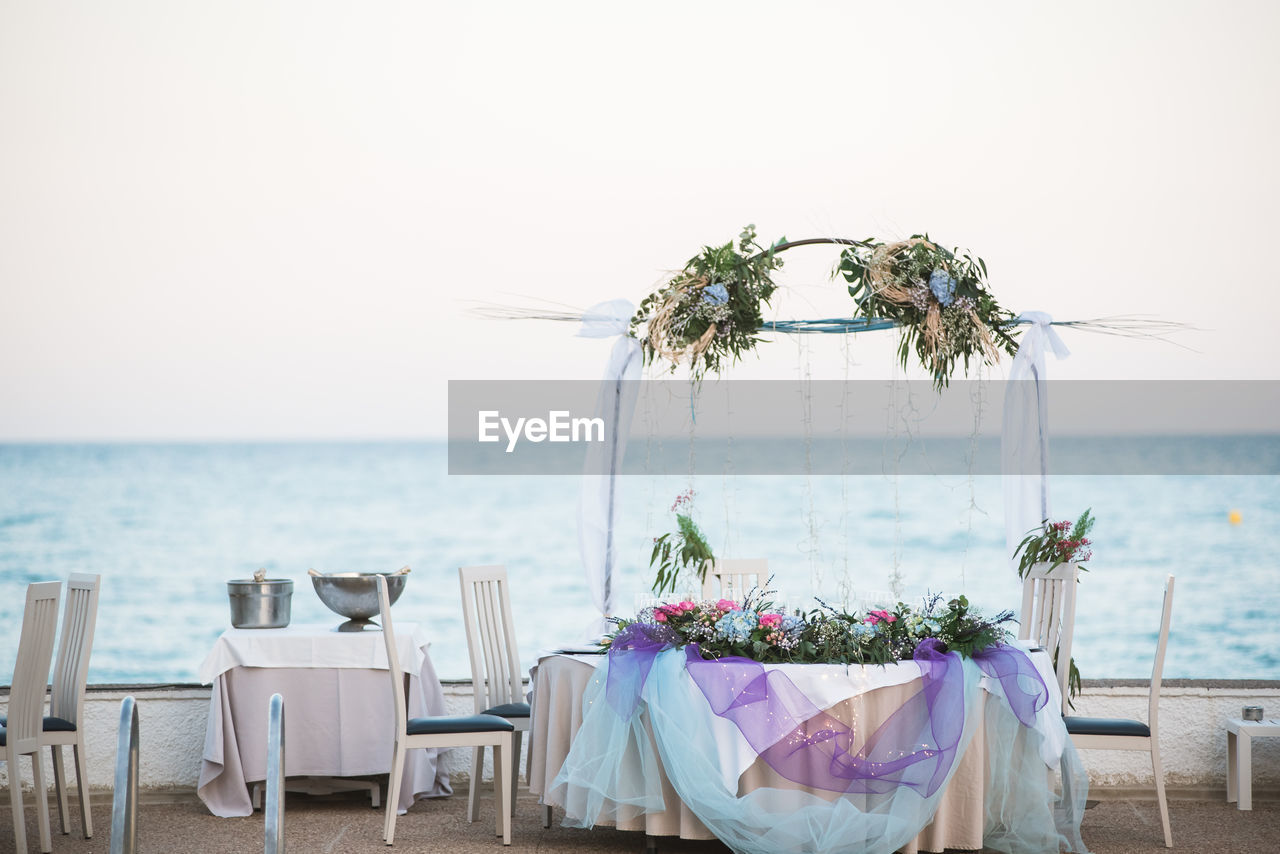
(756, 629)
(709, 314)
(1056, 543)
(685, 548)
(891, 281)
(1073, 678)
(882, 636)
(678, 316)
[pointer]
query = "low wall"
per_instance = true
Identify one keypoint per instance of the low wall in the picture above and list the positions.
(1192, 732)
(172, 721)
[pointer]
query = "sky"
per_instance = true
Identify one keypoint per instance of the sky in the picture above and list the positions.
(274, 220)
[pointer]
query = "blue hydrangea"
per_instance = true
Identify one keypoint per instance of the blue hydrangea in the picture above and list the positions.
(792, 625)
(862, 631)
(715, 294)
(736, 626)
(943, 287)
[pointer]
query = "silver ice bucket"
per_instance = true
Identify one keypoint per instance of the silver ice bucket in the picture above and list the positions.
(260, 604)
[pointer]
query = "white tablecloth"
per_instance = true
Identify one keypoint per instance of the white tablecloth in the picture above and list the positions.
(338, 709)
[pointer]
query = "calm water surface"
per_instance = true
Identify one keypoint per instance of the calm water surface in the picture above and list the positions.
(168, 525)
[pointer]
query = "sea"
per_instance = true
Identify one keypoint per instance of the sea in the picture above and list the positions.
(167, 525)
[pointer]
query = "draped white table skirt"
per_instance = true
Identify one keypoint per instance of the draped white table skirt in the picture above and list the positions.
(339, 719)
(870, 695)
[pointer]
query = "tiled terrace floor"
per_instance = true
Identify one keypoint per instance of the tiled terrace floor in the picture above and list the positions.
(345, 823)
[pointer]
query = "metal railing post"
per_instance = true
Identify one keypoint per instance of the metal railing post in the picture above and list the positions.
(274, 811)
(124, 801)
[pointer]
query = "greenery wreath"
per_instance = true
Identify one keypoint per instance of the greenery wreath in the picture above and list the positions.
(939, 299)
(711, 311)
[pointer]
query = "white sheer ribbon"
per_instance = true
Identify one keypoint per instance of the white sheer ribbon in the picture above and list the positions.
(1024, 438)
(598, 500)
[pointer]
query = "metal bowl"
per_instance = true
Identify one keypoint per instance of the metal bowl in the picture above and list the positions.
(355, 595)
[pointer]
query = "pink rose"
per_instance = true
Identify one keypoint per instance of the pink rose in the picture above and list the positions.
(771, 620)
(660, 616)
(686, 605)
(726, 605)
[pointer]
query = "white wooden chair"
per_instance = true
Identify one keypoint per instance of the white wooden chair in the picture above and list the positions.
(733, 578)
(495, 664)
(20, 735)
(1121, 734)
(457, 731)
(65, 724)
(1049, 615)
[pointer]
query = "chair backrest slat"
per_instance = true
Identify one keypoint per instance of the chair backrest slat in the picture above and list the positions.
(733, 578)
(1157, 669)
(31, 672)
(1049, 614)
(393, 658)
(71, 671)
(491, 642)
(488, 612)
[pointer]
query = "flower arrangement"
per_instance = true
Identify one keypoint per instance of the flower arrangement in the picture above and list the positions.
(710, 310)
(1056, 543)
(884, 635)
(684, 548)
(938, 297)
(756, 629)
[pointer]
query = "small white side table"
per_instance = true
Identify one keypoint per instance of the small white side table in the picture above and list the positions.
(1240, 734)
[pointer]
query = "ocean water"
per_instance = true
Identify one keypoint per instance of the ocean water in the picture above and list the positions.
(168, 524)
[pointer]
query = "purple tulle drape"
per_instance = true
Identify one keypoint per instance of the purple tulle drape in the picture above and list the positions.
(1018, 677)
(915, 748)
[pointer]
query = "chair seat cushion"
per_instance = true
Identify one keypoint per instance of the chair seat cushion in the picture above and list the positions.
(509, 710)
(51, 724)
(1105, 726)
(4, 740)
(458, 723)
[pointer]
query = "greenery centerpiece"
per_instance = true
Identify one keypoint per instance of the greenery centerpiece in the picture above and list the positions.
(755, 628)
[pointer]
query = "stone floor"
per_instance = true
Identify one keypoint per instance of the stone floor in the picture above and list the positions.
(346, 823)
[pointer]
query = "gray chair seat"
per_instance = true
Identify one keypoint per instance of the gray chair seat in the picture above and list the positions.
(509, 710)
(458, 723)
(51, 724)
(1106, 726)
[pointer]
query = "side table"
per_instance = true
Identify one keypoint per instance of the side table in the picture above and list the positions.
(1240, 734)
